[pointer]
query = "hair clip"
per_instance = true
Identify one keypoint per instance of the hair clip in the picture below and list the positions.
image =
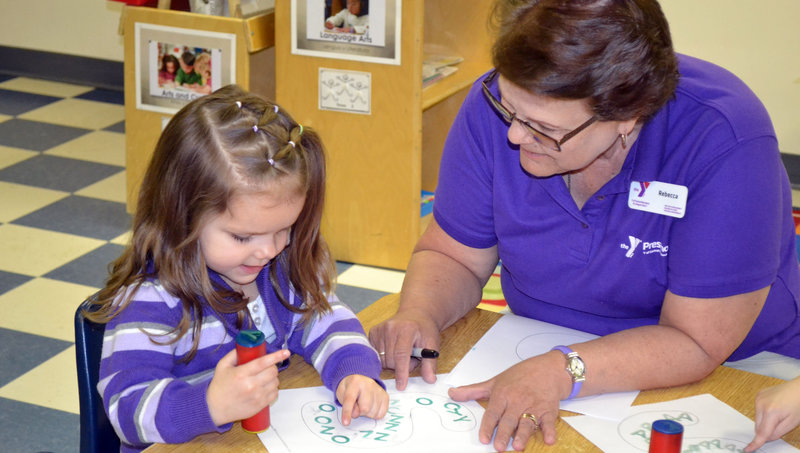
(275, 107)
(239, 104)
(255, 128)
(271, 161)
(292, 143)
(301, 129)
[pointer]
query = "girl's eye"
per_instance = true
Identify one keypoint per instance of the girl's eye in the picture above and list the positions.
(238, 238)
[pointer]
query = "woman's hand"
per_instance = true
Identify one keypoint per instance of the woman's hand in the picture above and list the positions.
(361, 395)
(777, 412)
(238, 392)
(395, 338)
(534, 386)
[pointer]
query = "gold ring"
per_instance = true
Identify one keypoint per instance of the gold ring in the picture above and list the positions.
(382, 353)
(532, 418)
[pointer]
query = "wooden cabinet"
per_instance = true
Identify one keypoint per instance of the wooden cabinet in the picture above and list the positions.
(379, 163)
(254, 64)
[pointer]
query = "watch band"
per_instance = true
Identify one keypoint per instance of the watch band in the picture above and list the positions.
(575, 368)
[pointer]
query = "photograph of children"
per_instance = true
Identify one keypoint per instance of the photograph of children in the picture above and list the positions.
(183, 72)
(352, 18)
(365, 30)
(174, 66)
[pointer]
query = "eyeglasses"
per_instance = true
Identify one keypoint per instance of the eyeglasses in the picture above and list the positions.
(540, 137)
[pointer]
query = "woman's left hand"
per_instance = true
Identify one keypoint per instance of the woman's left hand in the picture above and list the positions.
(534, 386)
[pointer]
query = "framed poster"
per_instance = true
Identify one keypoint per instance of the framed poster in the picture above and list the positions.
(176, 65)
(362, 30)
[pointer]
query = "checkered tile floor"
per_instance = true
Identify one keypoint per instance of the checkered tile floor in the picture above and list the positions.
(62, 220)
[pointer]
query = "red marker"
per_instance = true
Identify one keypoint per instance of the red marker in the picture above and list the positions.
(251, 344)
(666, 437)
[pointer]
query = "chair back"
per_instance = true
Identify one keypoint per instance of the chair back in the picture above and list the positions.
(97, 434)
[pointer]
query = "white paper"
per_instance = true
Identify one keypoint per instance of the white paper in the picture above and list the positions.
(515, 338)
(709, 426)
(422, 418)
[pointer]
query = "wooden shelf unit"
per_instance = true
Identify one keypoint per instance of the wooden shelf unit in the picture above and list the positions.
(255, 71)
(378, 164)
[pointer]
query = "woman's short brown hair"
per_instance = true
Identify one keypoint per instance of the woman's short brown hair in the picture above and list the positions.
(616, 53)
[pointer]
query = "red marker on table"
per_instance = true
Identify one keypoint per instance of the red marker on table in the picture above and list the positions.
(251, 344)
(666, 436)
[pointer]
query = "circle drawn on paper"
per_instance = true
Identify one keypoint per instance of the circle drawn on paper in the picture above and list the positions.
(540, 343)
(635, 430)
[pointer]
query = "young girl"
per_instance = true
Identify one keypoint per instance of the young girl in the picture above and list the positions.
(226, 237)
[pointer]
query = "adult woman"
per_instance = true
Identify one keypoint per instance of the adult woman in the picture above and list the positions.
(627, 191)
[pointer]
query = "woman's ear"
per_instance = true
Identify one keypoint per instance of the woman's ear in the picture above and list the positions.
(626, 127)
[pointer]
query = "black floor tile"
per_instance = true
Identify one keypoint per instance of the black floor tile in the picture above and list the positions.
(90, 269)
(342, 266)
(23, 352)
(358, 298)
(103, 95)
(57, 173)
(35, 135)
(119, 127)
(82, 216)
(34, 429)
(10, 280)
(18, 102)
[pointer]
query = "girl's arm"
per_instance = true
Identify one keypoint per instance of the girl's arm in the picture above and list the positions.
(336, 346)
(777, 412)
(148, 395)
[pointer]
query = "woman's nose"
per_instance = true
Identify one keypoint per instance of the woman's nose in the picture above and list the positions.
(518, 134)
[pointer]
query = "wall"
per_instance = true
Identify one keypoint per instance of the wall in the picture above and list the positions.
(758, 40)
(760, 44)
(86, 28)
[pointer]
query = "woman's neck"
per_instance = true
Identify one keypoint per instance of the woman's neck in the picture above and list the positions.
(584, 183)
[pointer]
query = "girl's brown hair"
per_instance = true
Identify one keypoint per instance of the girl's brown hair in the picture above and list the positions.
(217, 145)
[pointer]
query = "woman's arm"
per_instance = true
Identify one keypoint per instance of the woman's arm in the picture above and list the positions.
(444, 280)
(693, 337)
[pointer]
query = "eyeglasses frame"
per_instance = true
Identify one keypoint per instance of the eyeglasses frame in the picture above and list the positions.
(537, 134)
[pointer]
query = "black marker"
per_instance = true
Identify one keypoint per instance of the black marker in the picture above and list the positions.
(420, 353)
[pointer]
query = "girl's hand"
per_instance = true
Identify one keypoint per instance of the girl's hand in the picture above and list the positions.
(534, 386)
(238, 392)
(361, 395)
(777, 412)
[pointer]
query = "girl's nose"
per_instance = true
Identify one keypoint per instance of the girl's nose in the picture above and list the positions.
(266, 250)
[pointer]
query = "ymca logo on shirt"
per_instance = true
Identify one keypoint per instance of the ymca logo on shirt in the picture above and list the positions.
(647, 247)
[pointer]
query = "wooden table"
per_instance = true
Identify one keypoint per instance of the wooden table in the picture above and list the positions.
(735, 387)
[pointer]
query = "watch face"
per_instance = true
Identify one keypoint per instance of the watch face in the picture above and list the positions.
(576, 368)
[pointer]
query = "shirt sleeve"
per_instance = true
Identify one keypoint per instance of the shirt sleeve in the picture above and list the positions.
(336, 346)
(338, 19)
(729, 241)
(144, 400)
(463, 203)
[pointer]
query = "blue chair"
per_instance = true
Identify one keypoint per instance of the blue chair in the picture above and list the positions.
(97, 434)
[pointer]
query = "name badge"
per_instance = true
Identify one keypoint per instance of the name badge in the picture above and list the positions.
(658, 197)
